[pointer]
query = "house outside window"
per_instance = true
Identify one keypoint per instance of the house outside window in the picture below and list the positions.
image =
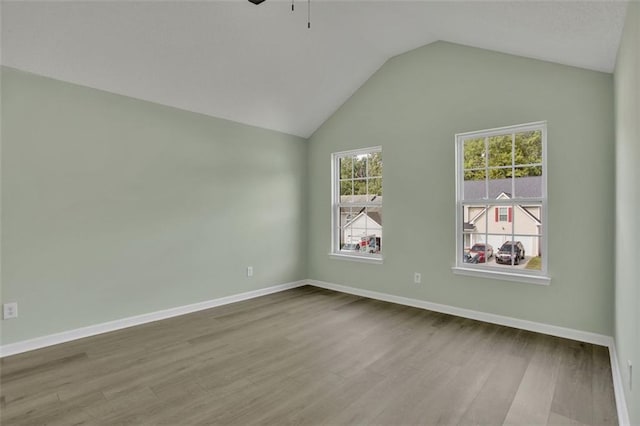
(357, 204)
(501, 203)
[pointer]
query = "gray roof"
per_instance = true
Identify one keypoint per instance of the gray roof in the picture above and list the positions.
(362, 198)
(375, 216)
(530, 186)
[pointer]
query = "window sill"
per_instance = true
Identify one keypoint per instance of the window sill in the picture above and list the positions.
(506, 276)
(356, 258)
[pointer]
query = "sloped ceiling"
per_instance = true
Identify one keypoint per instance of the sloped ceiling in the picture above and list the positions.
(260, 65)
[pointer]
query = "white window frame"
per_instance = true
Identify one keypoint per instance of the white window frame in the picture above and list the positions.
(483, 270)
(336, 204)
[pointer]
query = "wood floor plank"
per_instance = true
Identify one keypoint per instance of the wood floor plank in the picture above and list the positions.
(533, 399)
(604, 405)
(556, 419)
(492, 403)
(465, 386)
(311, 356)
(325, 410)
(42, 367)
(369, 405)
(573, 397)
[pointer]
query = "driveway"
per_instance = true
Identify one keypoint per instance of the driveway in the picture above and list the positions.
(523, 263)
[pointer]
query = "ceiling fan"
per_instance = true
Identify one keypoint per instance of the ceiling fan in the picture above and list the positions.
(256, 2)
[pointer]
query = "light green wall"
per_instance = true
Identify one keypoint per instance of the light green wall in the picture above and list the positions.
(413, 106)
(627, 289)
(113, 207)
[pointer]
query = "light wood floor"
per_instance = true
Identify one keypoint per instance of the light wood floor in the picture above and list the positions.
(311, 356)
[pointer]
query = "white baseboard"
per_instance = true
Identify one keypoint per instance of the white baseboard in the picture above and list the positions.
(92, 330)
(553, 330)
(616, 373)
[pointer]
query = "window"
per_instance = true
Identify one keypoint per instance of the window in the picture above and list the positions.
(501, 203)
(357, 204)
(503, 214)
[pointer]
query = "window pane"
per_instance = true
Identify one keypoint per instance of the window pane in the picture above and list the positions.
(360, 188)
(474, 153)
(500, 150)
(373, 232)
(474, 229)
(501, 186)
(500, 222)
(361, 229)
(519, 252)
(530, 245)
(474, 175)
(466, 240)
(526, 171)
(374, 165)
(475, 185)
(346, 191)
(347, 214)
(506, 251)
(528, 219)
(346, 168)
(374, 188)
(472, 215)
(360, 166)
(533, 252)
(500, 173)
(528, 182)
(348, 240)
(479, 252)
(528, 147)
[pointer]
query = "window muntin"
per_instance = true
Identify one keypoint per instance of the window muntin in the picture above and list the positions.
(501, 198)
(357, 203)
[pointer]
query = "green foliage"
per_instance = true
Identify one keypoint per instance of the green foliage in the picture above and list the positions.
(361, 174)
(524, 152)
(534, 263)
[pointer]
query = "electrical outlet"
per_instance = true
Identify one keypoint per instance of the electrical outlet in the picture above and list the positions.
(10, 310)
(417, 277)
(249, 271)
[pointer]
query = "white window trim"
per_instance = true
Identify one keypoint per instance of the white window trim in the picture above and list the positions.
(483, 271)
(503, 276)
(364, 258)
(334, 252)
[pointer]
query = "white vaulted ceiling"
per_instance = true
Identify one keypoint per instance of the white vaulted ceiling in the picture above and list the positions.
(260, 65)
